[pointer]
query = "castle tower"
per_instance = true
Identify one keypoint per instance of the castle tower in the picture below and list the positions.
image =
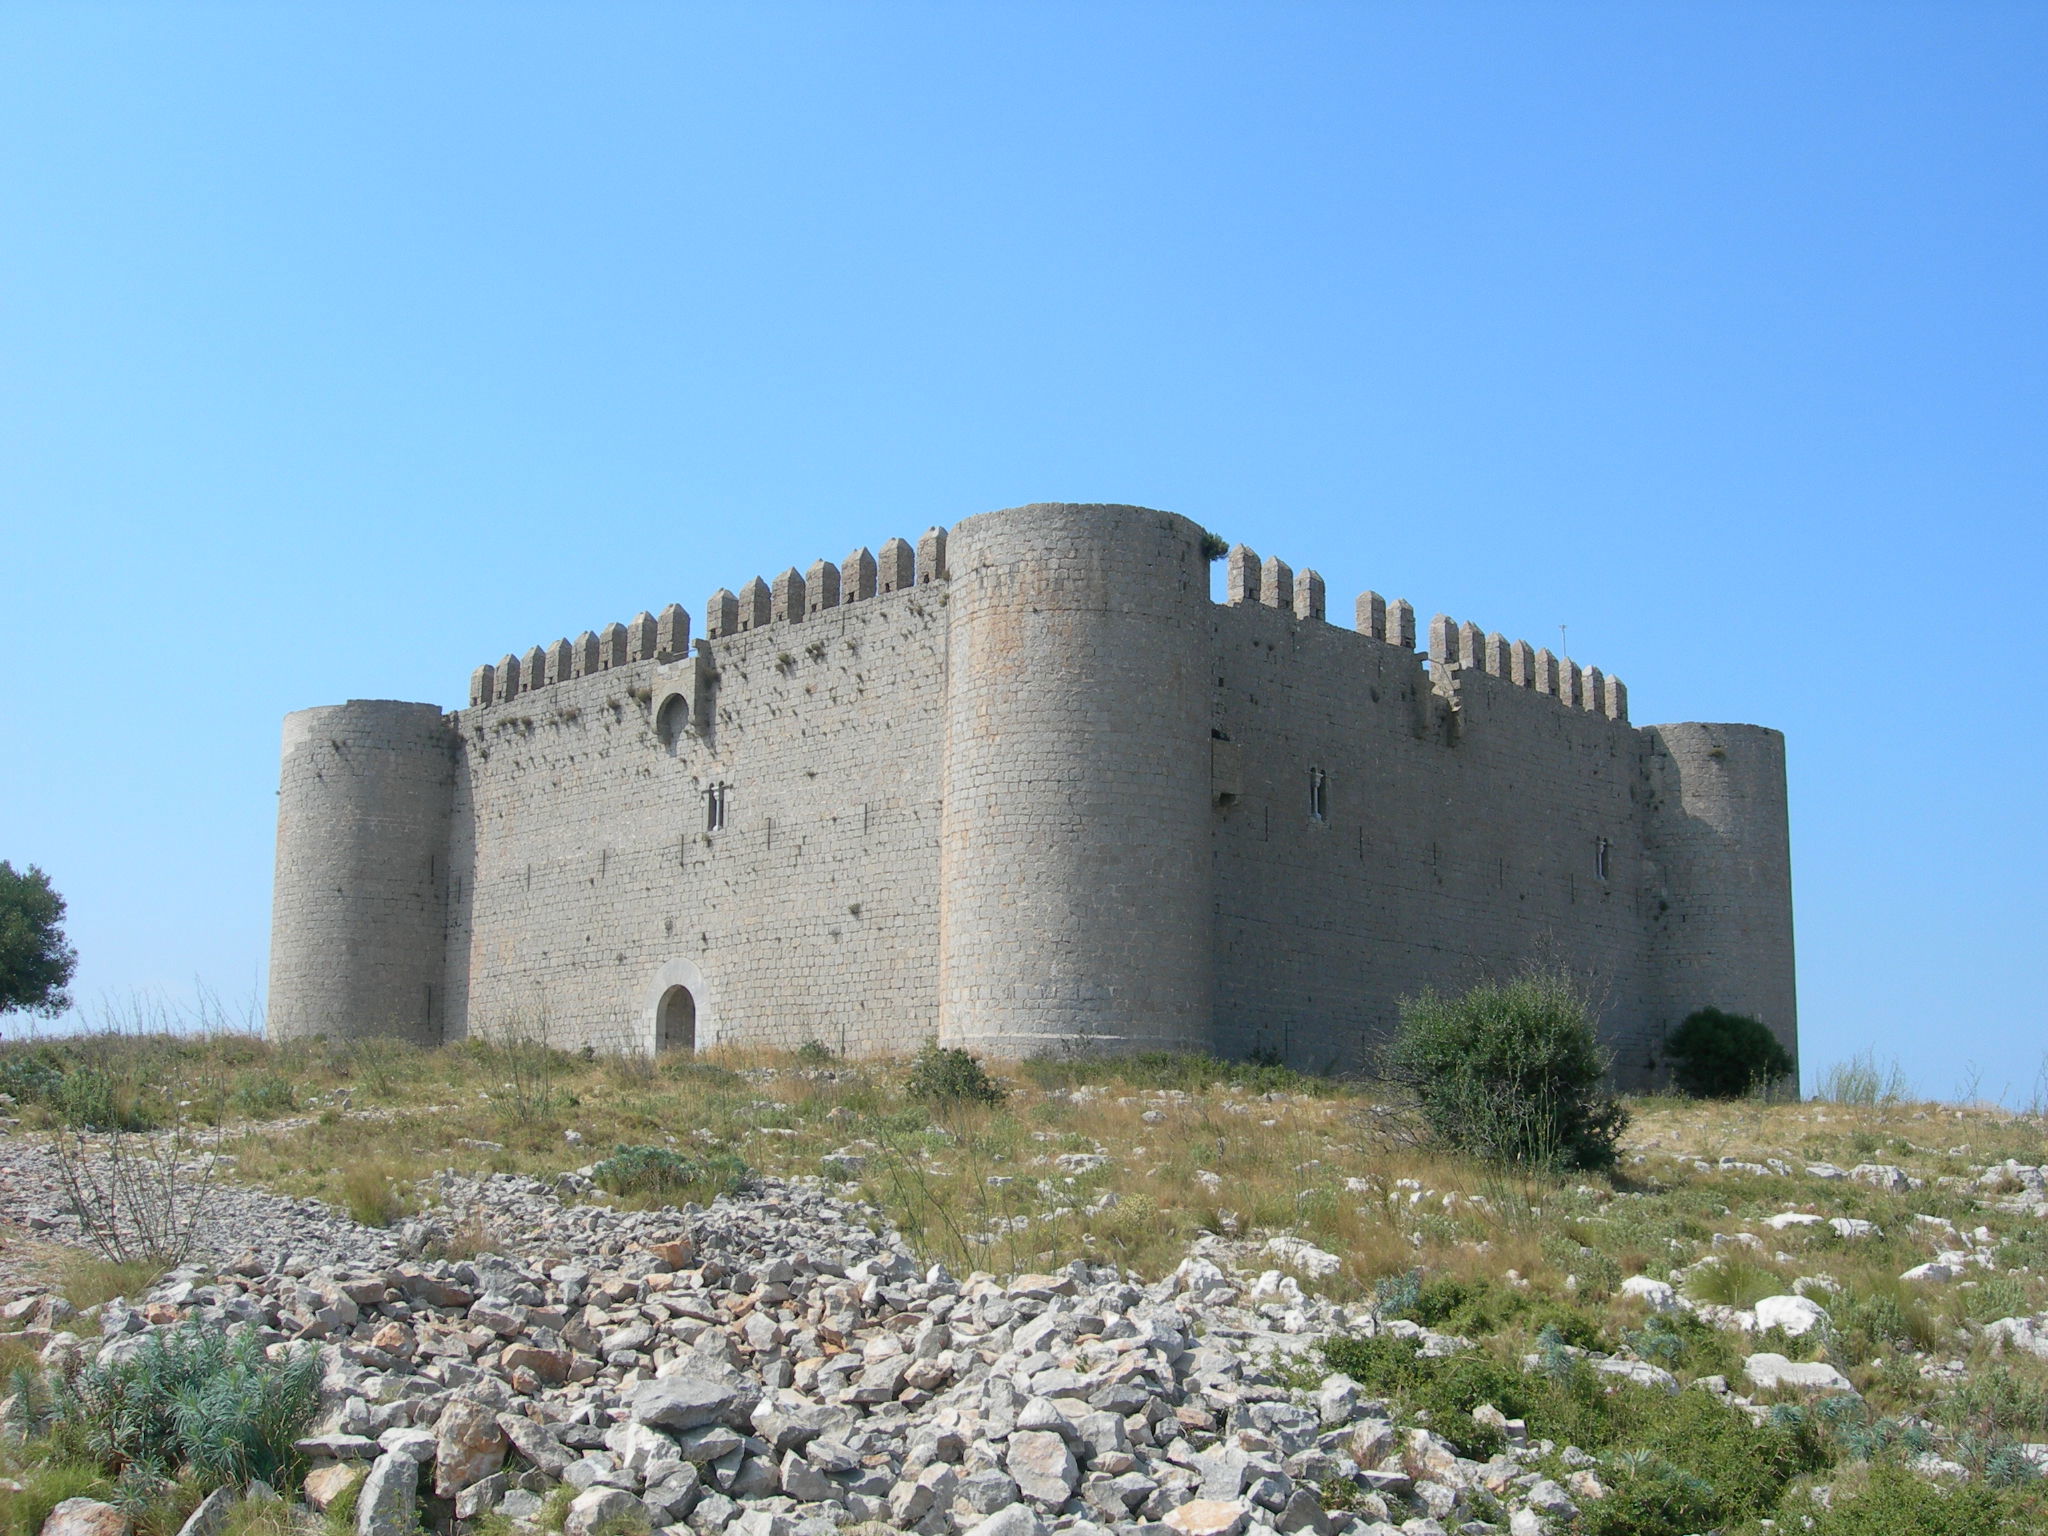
(362, 867)
(1075, 877)
(1718, 871)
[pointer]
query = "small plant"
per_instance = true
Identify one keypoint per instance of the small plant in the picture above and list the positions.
(1861, 1082)
(1717, 1055)
(658, 1174)
(947, 1075)
(1214, 546)
(1510, 1072)
(816, 1053)
(372, 1195)
(191, 1402)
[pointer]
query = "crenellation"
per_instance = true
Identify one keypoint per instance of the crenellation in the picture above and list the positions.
(1308, 595)
(721, 614)
(1471, 647)
(1522, 665)
(1547, 677)
(672, 633)
(1617, 700)
(533, 670)
(821, 587)
(1499, 655)
(480, 684)
(508, 678)
(1594, 695)
(898, 566)
(589, 655)
(611, 646)
(857, 576)
(757, 605)
(1276, 583)
(931, 556)
(787, 598)
(1372, 615)
(1571, 683)
(1401, 623)
(643, 637)
(561, 661)
(1443, 640)
(1242, 574)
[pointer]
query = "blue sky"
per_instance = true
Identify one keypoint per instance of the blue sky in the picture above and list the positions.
(343, 348)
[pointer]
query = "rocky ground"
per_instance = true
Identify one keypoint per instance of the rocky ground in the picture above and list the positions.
(782, 1363)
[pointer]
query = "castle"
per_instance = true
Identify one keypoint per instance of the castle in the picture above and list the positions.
(1024, 789)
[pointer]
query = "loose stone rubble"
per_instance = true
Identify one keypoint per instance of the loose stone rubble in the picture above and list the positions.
(781, 1365)
(776, 1366)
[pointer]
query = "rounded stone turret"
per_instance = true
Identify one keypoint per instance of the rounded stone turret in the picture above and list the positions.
(1075, 879)
(1719, 876)
(358, 915)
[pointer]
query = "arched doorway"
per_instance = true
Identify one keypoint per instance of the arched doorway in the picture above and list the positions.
(675, 1022)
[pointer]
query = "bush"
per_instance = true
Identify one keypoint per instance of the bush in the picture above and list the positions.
(191, 1402)
(1716, 1055)
(659, 1174)
(1510, 1072)
(946, 1075)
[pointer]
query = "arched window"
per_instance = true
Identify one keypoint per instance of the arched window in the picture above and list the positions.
(672, 719)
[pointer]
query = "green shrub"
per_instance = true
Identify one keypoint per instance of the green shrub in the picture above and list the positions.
(946, 1075)
(1716, 1055)
(815, 1053)
(657, 1173)
(1692, 1462)
(189, 1401)
(1510, 1072)
(1895, 1503)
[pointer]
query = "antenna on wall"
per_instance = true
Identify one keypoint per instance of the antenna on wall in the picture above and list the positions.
(1564, 649)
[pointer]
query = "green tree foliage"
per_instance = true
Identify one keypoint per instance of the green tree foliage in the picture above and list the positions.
(1716, 1055)
(36, 961)
(1511, 1072)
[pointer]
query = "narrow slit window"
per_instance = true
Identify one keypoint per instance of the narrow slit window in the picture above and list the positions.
(714, 808)
(1318, 795)
(1600, 858)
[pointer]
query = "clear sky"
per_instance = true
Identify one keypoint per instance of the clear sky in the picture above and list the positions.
(345, 347)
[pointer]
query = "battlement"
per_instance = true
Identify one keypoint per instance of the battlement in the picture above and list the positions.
(789, 599)
(1273, 583)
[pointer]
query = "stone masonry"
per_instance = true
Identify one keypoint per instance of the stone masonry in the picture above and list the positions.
(1024, 788)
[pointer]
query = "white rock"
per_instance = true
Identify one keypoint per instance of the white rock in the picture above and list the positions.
(1657, 1295)
(1786, 1219)
(1794, 1314)
(1641, 1372)
(1300, 1254)
(1012, 1520)
(1769, 1371)
(1852, 1227)
(1934, 1272)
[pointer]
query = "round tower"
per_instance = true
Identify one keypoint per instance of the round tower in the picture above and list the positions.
(357, 919)
(1076, 889)
(1719, 876)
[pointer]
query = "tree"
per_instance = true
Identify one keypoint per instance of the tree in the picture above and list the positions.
(1511, 1072)
(1716, 1055)
(36, 961)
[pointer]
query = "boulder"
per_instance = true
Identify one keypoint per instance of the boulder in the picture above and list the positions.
(324, 1485)
(85, 1517)
(211, 1515)
(1209, 1517)
(1794, 1315)
(468, 1446)
(1657, 1295)
(594, 1506)
(389, 1502)
(689, 1401)
(1043, 1466)
(1769, 1371)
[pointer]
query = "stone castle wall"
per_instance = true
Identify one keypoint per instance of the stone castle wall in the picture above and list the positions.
(1025, 789)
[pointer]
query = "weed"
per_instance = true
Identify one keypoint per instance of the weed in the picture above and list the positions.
(1863, 1081)
(372, 1195)
(658, 1174)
